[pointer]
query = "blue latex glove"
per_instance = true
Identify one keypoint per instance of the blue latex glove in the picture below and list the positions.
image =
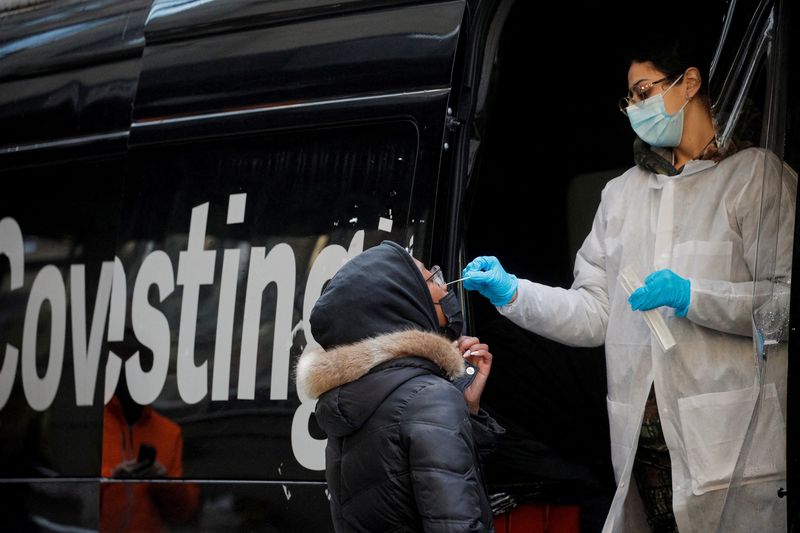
(486, 275)
(662, 287)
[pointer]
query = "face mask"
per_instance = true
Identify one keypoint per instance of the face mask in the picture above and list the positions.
(651, 122)
(452, 311)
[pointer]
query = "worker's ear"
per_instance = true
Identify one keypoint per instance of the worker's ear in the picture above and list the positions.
(692, 80)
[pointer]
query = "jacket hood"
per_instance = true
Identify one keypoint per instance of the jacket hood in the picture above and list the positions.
(355, 379)
(379, 291)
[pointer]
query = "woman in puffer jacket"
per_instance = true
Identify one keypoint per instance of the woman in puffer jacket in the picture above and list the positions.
(401, 415)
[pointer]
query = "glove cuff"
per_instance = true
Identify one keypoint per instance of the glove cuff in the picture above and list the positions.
(504, 297)
(687, 296)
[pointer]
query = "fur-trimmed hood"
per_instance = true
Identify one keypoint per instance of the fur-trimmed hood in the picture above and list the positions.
(320, 371)
(378, 329)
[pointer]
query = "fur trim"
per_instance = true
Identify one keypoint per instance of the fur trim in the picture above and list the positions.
(320, 371)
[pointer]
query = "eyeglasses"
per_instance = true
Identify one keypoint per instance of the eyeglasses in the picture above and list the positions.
(637, 93)
(436, 276)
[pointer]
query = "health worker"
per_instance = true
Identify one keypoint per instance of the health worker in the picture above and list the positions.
(686, 220)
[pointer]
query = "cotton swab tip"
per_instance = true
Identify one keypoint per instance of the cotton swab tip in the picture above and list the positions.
(456, 280)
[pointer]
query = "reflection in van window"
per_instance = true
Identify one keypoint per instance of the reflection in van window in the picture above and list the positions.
(251, 226)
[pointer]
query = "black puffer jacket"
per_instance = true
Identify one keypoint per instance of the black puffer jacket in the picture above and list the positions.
(402, 451)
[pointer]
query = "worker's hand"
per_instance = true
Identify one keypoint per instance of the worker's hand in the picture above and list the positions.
(152, 470)
(486, 275)
(662, 287)
(476, 353)
(136, 470)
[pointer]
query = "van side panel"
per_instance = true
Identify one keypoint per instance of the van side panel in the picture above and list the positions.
(68, 70)
(374, 51)
(190, 175)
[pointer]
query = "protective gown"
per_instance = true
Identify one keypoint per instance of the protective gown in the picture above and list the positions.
(703, 224)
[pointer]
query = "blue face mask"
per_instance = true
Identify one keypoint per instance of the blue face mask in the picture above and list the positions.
(651, 122)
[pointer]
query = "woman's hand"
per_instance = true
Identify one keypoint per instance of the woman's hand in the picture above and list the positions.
(478, 354)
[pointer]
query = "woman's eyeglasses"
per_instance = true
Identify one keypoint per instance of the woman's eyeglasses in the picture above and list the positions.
(637, 93)
(437, 276)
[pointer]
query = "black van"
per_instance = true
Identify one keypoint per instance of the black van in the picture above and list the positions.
(181, 177)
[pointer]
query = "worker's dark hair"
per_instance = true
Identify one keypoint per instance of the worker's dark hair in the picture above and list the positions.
(674, 51)
(673, 57)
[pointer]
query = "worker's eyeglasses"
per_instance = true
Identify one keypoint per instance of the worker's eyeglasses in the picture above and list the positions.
(436, 276)
(637, 93)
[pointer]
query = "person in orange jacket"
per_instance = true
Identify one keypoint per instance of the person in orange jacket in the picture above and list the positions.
(141, 444)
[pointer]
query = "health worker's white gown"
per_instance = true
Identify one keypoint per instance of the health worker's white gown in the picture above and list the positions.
(702, 224)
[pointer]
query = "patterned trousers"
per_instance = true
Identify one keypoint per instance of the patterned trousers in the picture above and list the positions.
(652, 471)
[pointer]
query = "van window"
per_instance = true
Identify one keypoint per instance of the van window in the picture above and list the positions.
(251, 228)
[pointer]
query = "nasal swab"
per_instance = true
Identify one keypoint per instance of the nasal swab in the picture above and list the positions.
(456, 280)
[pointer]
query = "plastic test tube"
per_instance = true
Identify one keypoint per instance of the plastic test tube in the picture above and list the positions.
(630, 282)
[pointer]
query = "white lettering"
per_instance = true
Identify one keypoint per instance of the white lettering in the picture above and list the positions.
(151, 328)
(113, 368)
(227, 304)
(236, 208)
(119, 298)
(86, 355)
(278, 267)
(221, 379)
(116, 327)
(195, 268)
(48, 286)
(12, 247)
(308, 451)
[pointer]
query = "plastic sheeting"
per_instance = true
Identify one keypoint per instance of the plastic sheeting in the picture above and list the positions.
(747, 78)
